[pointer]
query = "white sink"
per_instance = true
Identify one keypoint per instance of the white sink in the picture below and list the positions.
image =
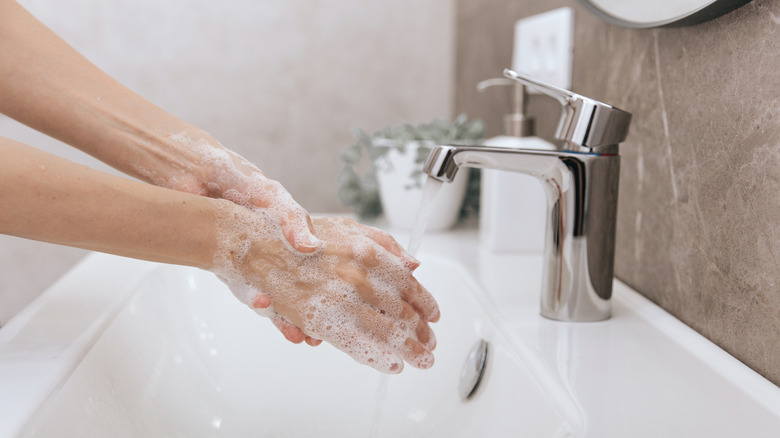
(127, 348)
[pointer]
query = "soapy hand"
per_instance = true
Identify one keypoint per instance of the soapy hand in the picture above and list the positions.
(194, 162)
(357, 292)
(206, 168)
(293, 333)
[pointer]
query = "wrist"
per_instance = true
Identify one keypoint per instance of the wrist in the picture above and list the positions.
(247, 244)
(175, 160)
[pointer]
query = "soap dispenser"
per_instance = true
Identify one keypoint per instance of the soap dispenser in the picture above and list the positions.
(512, 205)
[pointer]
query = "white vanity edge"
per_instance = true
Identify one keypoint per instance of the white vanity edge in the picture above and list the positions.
(32, 378)
(730, 368)
(31, 370)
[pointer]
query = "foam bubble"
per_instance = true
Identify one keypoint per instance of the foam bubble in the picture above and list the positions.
(253, 258)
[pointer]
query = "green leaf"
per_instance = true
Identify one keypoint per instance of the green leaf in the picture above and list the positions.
(422, 153)
(362, 193)
(474, 130)
(352, 154)
(361, 136)
(377, 152)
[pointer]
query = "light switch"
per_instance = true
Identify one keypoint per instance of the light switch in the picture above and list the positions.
(543, 47)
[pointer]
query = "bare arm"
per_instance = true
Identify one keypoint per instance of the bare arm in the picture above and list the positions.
(355, 293)
(47, 198)
(44, 197)
(47, 85)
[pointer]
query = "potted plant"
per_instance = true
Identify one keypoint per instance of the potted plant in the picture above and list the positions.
(394, 179)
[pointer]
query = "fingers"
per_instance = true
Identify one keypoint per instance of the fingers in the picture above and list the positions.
(407, 336)
(406, 308)
(387, 242)
(358, 293)
(293, 333)
(298, 230)
(261, 301)
(414, 293)
(353, 228)
(264, 193)
(415, 328)
(422, 301)
(290, 331)
(357, 278)
(382, 339)
(425, 335)
(365, 349)
(313, 342)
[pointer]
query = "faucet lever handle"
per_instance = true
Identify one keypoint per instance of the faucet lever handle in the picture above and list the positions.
(516, 124)
(487, 83)
(585, 122)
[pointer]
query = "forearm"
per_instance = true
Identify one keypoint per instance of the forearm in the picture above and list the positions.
(47, 198)
(47, 85)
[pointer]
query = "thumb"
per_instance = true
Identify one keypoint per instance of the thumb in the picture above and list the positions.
(299, 232)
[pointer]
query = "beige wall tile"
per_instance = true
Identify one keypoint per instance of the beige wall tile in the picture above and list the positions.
(281, 82)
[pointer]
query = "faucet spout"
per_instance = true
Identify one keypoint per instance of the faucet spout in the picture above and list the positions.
(581, 190)
(581, 184)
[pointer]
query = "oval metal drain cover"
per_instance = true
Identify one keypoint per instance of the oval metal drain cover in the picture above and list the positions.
(473, 369)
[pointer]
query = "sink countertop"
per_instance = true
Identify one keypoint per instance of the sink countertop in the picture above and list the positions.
(642, 369)
(640, 373)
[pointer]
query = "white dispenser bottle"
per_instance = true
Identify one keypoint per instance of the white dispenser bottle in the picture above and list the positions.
(513, 205)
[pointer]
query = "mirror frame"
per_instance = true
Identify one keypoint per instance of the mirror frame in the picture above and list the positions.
(715, 9)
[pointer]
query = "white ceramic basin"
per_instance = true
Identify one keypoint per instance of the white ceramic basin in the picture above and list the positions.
(126, 348)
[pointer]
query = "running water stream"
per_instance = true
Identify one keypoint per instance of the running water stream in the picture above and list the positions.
(430, 190)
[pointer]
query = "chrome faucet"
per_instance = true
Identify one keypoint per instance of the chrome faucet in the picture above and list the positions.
(581, 184)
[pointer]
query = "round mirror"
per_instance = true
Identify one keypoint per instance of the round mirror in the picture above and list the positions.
(644, 13)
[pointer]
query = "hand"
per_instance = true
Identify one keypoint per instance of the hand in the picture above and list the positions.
(293, 333)
(204, 167)
(357, 292)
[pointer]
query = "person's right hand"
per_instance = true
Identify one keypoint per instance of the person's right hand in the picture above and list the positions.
(207, 168)
(357, 292)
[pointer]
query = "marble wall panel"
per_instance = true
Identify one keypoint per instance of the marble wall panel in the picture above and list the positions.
(699, 209)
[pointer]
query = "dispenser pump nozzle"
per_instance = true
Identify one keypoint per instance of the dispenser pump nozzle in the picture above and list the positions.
(516, 124)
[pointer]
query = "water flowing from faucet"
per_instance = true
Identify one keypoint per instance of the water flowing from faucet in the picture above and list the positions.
(431, 188)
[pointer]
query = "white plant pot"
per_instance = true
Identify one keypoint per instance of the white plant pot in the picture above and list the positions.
(400, 193)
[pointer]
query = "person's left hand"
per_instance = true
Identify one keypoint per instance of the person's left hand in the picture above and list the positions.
(355, 293)
(217, 172)
(204, 167)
